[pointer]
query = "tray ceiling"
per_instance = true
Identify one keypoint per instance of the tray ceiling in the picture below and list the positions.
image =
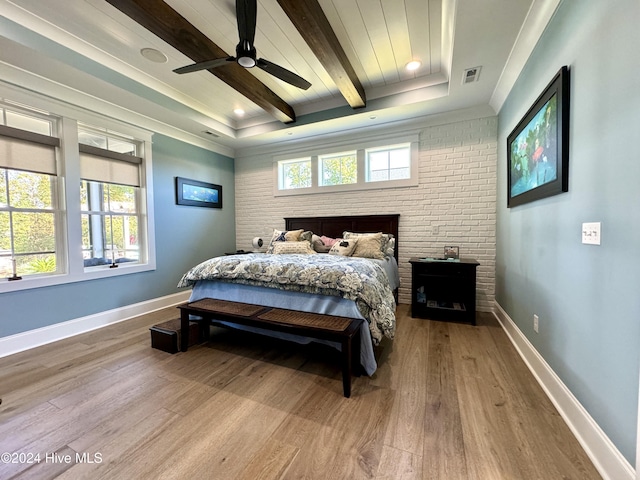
(93, 47)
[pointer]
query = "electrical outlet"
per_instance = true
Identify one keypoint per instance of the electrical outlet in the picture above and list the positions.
(435, 230)
(535, 323)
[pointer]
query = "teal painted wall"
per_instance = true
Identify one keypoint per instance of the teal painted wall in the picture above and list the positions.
(185, 236)
(586, 296)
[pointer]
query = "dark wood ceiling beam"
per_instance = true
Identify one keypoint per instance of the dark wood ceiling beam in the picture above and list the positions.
(310, 20)
(163, 21)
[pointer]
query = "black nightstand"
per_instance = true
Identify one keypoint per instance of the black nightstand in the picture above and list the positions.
(444, 289)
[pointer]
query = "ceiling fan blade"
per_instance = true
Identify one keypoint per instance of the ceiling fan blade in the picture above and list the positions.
(246, 17)
(283, 74)
(204, 65)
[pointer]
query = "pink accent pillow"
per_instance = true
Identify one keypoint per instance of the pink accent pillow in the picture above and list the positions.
(328, 241)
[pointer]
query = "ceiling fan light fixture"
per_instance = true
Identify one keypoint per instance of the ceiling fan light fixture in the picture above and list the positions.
(246, 54)
(246, 62)
(413, 65)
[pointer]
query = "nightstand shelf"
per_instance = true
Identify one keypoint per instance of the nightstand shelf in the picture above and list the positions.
(444, 290)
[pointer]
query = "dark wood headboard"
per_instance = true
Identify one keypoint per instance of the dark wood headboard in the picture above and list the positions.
(334, 226)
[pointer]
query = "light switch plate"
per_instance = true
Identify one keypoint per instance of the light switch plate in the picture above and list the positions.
(591, 233)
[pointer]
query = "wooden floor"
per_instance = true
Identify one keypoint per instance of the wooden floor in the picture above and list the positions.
(449, 401)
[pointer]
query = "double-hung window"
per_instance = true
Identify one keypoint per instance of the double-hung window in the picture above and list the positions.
(75, 199)
(30, 214)
(110, 198)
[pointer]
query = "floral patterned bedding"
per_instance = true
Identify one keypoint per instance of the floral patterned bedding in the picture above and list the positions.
(358, 279)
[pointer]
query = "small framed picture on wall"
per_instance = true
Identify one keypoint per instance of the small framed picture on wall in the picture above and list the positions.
(198, 194)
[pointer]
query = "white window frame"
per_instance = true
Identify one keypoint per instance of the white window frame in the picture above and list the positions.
(281, 176)
(360, 148)
(388, 149)
(57, 208)
(70, 229)
(330, 156)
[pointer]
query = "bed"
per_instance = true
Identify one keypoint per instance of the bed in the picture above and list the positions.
(330, 284)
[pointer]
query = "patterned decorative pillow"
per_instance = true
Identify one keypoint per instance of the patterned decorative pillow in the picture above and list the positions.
(386, 237)
(344, 247)
(284, 236)
(369, 246)
(284, 248)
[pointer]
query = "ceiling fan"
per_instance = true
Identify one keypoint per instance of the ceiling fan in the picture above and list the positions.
(246, 52)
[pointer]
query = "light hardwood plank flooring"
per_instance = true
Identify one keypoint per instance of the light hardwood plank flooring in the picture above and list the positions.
(449, 401)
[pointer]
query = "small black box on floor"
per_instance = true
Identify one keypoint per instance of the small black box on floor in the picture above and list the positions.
(166, 336)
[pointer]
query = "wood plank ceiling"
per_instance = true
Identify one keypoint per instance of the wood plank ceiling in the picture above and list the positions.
(162, 20)
(353, 52)
(309, 19)
(306, 15)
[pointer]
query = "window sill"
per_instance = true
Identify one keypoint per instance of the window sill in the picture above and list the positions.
(30, 282)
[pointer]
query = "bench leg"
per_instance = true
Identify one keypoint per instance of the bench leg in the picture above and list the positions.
(346, 366)
(204, 323)
(184, 330)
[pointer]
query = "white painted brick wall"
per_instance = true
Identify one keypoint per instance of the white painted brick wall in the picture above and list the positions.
(454, 203)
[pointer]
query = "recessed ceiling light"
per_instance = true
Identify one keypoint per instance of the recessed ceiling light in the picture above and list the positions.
(238, 111)
(413, 65)
(154, 55)
(372, 117)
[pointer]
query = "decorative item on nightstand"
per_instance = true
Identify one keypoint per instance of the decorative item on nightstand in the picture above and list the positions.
(451, 252)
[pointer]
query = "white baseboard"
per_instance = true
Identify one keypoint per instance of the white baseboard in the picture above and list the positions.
(607, 459)
(52, 333)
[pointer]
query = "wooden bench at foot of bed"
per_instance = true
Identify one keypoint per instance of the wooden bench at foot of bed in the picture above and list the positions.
(312, 325)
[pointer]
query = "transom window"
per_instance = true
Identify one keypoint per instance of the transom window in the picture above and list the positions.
(377, 165)
(294, 174)
(388, 163)
(338, 169)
